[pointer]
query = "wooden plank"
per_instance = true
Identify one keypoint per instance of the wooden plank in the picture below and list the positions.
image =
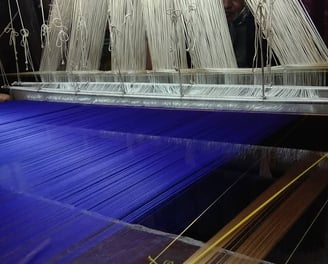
(259, 244)
(212, 247)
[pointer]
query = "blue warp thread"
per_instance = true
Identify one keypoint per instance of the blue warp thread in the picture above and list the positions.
(66, 169)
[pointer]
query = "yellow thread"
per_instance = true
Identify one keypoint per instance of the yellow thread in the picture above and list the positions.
(194, 221)
(152, 261)
(232, 230)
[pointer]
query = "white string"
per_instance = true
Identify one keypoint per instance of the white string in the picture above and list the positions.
(172, 28)
(208, 36)
(62, 37)
(24, 42)
(268, 33)
(12, 39)
(128, 35)
(258, 34)
(307, 231)
(44, 32)
(165, 34)
(7, 28)
(87, 35)
(59, 24)
(82, 29)
(13, 33)
(3, 75)
(295, 40)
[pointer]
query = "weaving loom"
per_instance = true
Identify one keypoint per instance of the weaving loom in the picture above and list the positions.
(106, 165)
(72, 50)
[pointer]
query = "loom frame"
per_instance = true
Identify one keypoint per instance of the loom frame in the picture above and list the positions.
(275, 89)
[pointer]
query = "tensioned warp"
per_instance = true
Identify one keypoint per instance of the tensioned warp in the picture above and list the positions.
(67, 170)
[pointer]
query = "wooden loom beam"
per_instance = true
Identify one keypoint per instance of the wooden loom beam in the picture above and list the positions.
(270, 231)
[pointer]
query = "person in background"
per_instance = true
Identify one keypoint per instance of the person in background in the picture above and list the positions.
(242, 30)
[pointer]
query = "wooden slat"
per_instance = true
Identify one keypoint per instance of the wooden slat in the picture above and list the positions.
(259, 244)
(204, 255)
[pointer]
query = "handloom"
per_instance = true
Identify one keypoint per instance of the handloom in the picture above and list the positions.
(170, 32)
(89, 154)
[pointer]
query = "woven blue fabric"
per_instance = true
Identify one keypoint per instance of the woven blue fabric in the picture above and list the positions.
(59, 162)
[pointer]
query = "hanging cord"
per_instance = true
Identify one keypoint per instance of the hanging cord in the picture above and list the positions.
(175, 14)
(44, 33)
(62, 37)
(4, 76)
(269, 37)
(114, 33)
(295, 38)
(12, 40)
(307, 231)
(24, 42)
(82, 29)
(260, 16)
(263, 31)
(7, 28)
(190, 41)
